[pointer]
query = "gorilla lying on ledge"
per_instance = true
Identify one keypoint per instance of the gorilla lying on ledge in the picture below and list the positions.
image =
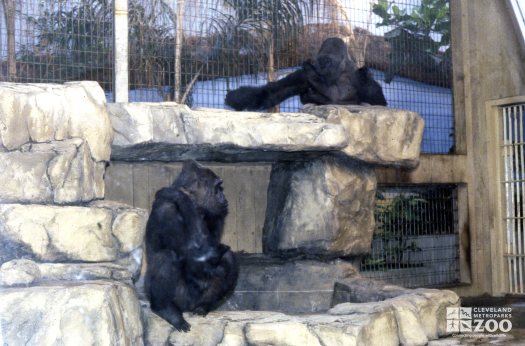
(332, 78)
(188, 268)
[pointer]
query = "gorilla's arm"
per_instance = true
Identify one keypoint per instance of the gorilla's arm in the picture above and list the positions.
(368, 90)
(269, 95)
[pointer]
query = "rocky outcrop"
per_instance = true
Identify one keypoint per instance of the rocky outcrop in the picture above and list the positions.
(410, 317)
(37, 113)
(172, 132)
(67, 259)
(377, 135)
(54, 172)
(92, 313)
(100, 232)
(323, 207)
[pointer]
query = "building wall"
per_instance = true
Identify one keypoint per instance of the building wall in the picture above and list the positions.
(489, 64)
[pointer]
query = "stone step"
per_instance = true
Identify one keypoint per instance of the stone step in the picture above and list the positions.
(292, 286)
(413, 317)
(100, 231)
(172, 132)
(27, 272)
(94, 313)
(55, 172)
(53, 112)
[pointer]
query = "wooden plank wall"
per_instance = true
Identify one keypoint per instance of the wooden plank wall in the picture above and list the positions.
(245, 187)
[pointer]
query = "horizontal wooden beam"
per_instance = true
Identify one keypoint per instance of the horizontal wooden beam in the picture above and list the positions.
(432, 169)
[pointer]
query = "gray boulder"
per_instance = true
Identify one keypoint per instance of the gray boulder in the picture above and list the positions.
(320, 207)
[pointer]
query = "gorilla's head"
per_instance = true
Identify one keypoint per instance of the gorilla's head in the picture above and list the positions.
(333, 59)
(204, 187)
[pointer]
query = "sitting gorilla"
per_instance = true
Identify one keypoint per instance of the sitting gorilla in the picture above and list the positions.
(332, 78)
(188, 268)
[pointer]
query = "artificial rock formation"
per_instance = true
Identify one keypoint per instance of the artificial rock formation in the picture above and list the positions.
(37, 113)
(67, 259)
(54, 172)
(409, 317)
(377, 135)
(171, 132)
(320, 207)
(91, 313)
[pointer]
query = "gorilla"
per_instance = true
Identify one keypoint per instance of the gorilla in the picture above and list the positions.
(188, 268)
(331, 78)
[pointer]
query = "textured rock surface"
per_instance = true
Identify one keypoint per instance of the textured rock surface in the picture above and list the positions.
(25, 272)
(299, 286)
(380, 135)
(320, 207)
(271, 328)
(95, 313)
(408, 317)
(55, 112)
(99, 232)
(54, 172)
(172, 132)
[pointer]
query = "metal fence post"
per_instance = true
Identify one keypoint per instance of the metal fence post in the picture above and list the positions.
(120, 51)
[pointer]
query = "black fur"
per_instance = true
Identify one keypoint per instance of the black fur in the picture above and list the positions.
(331, 78)
(188, 268)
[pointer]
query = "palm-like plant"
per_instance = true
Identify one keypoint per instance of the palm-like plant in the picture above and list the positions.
(255, 27)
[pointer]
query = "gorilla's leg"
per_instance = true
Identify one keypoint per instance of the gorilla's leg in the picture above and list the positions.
(221, 283)
(165, 285)
(269, 95)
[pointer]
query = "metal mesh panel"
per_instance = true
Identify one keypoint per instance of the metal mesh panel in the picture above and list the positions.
(416, 238)
(56, 41)
(227, 43)
(512, 126)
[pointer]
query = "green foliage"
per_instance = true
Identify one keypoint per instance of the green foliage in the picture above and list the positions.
(76, 41)
(71, 39)
(413, 38)
(254, 27)
(401, 219)
(396, 220)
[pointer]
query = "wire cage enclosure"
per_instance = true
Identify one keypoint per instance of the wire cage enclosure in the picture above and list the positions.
(416, 238)
(228, 43)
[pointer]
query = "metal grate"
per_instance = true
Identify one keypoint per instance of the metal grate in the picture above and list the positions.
(225, 44)
(56, 41)
(416, 238)
(512, 126)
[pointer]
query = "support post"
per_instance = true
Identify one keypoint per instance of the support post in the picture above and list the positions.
(120, 52)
